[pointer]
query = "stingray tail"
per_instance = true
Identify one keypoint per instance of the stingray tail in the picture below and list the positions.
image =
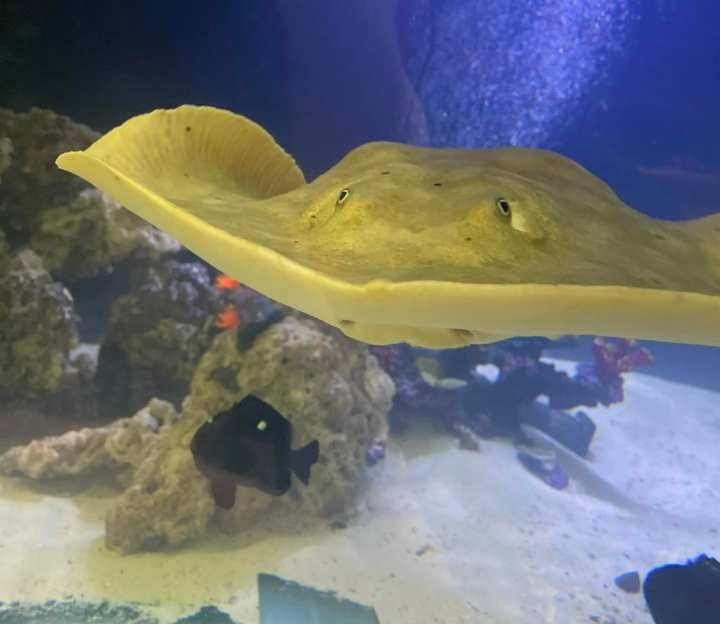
(302, 460)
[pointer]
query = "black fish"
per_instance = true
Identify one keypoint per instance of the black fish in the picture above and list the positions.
(249, 445)
(685, 594)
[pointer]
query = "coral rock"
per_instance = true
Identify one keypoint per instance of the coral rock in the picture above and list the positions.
(31, 182)
(328, 386)
(88, 450)
(6, 150)
(157, 335)
(91, 233)
(166, 505)
(37, 327)
(76, 230)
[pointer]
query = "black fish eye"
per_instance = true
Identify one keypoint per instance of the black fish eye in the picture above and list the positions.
(503, 205)
(344, 194)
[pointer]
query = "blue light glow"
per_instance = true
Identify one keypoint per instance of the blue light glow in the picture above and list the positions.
(513, 72)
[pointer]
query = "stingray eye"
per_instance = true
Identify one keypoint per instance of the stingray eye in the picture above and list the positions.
(342, 198)
(262, 425)
(503, 205)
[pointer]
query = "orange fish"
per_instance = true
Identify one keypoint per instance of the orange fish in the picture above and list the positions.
(228, 318)
(226, 283)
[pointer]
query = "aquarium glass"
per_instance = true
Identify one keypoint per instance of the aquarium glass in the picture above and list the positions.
(359, 311)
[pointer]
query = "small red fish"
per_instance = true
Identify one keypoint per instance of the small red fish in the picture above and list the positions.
(228, 318)
(226, 282)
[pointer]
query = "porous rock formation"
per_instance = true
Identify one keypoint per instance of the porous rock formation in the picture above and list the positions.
(37, 326)
(157, 334)
(329, 387)
(119, 445)
(76, 230)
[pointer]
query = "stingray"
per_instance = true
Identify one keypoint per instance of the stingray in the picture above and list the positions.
(438, 248)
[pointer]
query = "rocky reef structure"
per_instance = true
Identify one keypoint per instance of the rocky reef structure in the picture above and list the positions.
(87, 451)
(330, 387)
(77, 231)
(37, 326)
(327, 385)
(5, 155)
(503, 383)
(156, 335)
(174, 331)
(54, 231)
(90, 234)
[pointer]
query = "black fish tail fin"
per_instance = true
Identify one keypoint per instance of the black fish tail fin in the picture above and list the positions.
(223, 491)
(302, 460)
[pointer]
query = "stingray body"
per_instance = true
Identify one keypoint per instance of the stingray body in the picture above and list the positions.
(396, 243)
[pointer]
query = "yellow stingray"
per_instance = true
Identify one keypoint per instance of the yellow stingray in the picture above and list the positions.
(435, 247)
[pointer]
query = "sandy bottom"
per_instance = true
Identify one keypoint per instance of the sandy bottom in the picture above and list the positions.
(442, 536)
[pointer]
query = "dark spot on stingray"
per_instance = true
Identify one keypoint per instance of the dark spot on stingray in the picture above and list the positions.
(186, 174)
(384, 173)
(250, 445)
(659, 236)
(467, 238)
(187, 128)
(437, 183)
(345, 323)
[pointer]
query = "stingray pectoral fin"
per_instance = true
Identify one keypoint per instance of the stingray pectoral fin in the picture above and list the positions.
(418, 336)
(705, 233)
(186, 152)
(223, 490)
(302, 460)
(199, 174)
